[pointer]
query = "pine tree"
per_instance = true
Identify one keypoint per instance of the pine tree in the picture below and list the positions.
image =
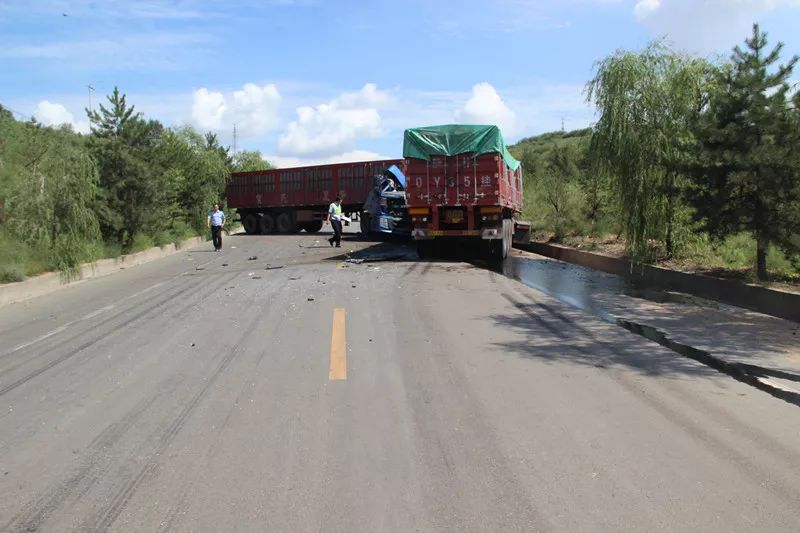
(746, 176)
(122, 142)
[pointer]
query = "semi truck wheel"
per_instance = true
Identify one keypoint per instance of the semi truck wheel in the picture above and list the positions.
(500, 248)
(267, 223)
(508, 236)
(313, 227)
(250, 223)
(283, 223)
(425, 249)
(364, 225)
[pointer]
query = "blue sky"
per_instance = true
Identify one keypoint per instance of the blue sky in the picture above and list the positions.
(316, 80)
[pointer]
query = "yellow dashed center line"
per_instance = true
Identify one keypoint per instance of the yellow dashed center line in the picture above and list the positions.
(338, 370)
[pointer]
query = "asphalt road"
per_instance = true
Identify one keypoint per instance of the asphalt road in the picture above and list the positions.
(212, 392)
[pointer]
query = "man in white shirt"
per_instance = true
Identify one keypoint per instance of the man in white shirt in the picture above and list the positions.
(216, 221)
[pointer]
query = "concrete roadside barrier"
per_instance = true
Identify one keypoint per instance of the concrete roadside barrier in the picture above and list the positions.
(53, 281)
(778, 303)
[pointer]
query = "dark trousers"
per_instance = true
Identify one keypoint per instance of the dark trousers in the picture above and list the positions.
(337, 232)
(216, 236)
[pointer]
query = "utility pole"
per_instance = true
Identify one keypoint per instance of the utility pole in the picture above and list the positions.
(234, 138)
(562, 124)
(91, 90)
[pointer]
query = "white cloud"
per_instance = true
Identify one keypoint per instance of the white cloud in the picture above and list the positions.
(207, 109)
(254, 109)
(645, 8)
(52, 114)
(334, 127)
(347, 157)
(368, 96)
(704, 26)
(485, 106)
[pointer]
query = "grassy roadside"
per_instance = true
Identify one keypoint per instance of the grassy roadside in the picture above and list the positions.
(20, 260)
(733, 258)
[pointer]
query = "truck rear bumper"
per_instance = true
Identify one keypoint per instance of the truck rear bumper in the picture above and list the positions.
(421, 234)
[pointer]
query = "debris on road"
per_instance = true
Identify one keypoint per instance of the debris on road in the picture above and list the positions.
(224, 264)
(256, 277)
(271, 267)
(375, 258)
(310, 299)
(252, 258)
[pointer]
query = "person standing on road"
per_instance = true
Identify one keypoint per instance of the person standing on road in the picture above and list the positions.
(216, 221)
(335, 218)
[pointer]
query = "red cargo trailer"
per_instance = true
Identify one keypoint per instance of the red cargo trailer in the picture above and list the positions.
(289, 199)
(463, 183)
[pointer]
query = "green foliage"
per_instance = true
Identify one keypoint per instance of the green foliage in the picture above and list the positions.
(687, 158)
(141, 242)
(646, 102)
(248, 160)
(122, 143)
(50, 185)
(66, 198)
(563, 194)
(746, 173)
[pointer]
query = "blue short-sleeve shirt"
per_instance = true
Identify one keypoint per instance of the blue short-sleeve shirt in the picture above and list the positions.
(216, 217)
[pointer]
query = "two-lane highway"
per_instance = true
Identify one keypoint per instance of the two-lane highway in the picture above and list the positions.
(272, 387)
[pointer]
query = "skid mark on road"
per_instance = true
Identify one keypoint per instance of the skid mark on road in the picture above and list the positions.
(125, 476)
(119, 327)
(98, 312)
(338, 368)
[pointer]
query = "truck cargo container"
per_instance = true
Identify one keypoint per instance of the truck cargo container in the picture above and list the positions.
(462, 183)
(287, 200)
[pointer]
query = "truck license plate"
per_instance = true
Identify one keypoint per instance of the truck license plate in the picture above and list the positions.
(454, 215)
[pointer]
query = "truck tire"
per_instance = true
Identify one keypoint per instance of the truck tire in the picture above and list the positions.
(250, 223)
(267, 224)
(425, 249)
(284, 223)
(508, 236)
(500, 248)
(364, 225)
(313, 227)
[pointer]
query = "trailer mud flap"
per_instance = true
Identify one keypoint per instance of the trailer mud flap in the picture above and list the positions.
(522, 233)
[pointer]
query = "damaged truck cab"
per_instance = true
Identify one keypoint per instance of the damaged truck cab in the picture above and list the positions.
(385, 210)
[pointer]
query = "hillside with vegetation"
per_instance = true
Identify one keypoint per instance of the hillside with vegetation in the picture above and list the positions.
(691, 164)
(132, 183)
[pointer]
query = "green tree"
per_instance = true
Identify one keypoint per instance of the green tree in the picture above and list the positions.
(746, 174)
(52, 192)
(195, 172)
(122, 143)
(246, 160)
(646, 102)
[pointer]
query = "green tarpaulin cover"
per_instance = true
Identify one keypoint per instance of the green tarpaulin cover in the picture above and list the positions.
(454, 139)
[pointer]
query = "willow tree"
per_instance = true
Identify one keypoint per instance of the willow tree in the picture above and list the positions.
(51, 203)
(646, 101)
